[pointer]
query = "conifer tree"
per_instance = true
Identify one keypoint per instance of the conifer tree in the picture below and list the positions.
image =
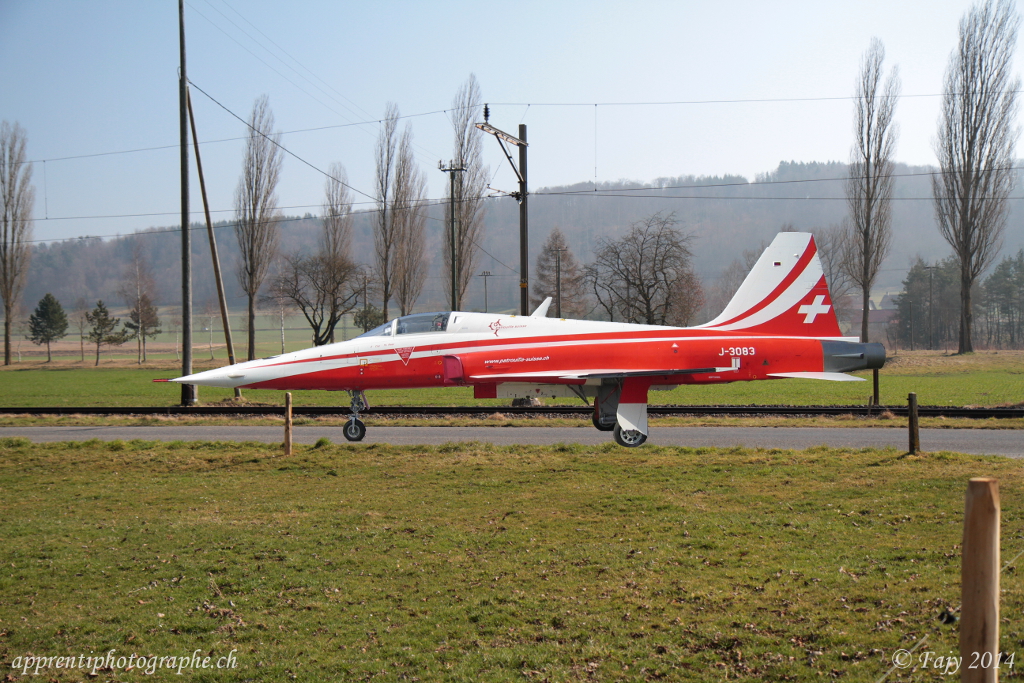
(558, 272)
(48, 323)
(104, 329)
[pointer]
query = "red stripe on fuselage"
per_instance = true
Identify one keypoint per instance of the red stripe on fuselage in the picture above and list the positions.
(757, 355)
(654, 334)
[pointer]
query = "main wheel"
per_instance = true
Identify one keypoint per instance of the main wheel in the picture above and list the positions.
(630, 438)
(354, 430)
(596, 419)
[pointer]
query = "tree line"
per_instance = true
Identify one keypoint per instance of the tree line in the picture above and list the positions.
(928, 310)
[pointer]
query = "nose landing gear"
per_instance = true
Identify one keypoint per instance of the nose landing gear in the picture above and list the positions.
(354, 429)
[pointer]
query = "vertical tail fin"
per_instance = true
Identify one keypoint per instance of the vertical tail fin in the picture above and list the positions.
(785, 293)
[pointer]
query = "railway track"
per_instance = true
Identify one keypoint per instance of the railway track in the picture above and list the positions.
(414, 411)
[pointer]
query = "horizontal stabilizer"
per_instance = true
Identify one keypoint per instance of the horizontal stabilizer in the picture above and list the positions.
(829, 376)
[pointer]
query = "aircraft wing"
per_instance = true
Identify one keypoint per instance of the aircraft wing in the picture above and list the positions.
(827, 376)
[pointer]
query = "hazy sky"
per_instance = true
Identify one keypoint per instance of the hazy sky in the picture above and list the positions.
(86, 78)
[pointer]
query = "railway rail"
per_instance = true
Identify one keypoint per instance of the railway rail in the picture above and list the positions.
(584, 411)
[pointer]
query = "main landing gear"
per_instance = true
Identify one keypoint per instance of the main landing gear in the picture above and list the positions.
(606, 419)
(603, 426)
(354, 429)
(628, 437)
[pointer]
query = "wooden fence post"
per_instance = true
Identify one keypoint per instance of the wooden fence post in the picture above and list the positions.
(915, 434)
(979, 583)
(288, 423)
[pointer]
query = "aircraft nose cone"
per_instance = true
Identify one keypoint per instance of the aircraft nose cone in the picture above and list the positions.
(220, 377)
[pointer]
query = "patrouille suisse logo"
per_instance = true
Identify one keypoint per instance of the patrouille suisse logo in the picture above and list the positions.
(405, 352)
(497, 326)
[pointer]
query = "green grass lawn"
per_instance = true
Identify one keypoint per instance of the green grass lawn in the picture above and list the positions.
(481, 563)
(983, 379)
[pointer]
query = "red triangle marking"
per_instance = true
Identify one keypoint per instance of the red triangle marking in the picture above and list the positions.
(405, 352)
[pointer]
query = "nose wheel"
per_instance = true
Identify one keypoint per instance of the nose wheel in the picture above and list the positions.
(630, 438)
(354, 429)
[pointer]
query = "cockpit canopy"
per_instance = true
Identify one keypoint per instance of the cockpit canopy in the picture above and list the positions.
(417, 323)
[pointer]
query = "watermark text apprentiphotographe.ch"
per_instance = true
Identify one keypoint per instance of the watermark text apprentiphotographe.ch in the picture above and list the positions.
(111, 661)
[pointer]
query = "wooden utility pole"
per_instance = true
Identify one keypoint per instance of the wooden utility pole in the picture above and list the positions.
(915, 434)
(979, 583)
(188, 391)
(213, 245)
(288, 423)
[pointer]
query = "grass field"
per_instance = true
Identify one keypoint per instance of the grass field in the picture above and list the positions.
(482, 563)
(984, 379)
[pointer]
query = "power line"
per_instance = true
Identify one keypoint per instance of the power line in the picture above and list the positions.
(290, 56)
(373, 121)
(689, 102)
(234, 139)
(262, 61)
(754, 183)
(271, 53)
(280, 146)
(442, 200)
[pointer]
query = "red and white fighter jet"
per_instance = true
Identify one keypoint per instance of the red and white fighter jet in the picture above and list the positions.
(781, 323)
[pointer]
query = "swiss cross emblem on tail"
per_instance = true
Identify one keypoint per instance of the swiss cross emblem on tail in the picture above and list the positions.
(405, 353)
(813, 310)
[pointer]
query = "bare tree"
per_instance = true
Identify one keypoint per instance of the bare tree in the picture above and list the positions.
(646, 277)
(323, 286)
(558, 272)
(833, 250)
(386, 230)
(409, 213)
(137, 288)
(870, 182)
(470, 185)
(336, 238)
(726, 285)
(17, 196)
(336, 224)
(976, 141)
(320, 287)
(81, 322)
(256, 208)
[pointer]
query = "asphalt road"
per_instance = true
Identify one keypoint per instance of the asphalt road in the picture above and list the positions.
(1005, 442)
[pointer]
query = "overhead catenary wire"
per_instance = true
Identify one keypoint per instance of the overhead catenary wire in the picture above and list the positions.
(231, 224)
(580, 193)
(375, 121)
